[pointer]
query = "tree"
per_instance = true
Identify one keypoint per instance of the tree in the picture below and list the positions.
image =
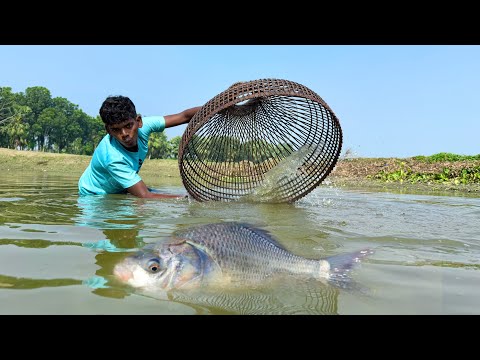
(37, 98)
(43, 127)
(93, 132)
(6, 105)
(173, 146)
(34, 120)
(13, 127)
(64, 106)
(158, 147)
(14, 133)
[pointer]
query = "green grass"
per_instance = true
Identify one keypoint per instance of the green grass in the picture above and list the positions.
(467, 175)
(443, 156)
(14, 160)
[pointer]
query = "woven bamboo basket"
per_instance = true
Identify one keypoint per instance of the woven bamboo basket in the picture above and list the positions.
(264, 140)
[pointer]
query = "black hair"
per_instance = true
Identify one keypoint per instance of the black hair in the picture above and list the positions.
(117, 109)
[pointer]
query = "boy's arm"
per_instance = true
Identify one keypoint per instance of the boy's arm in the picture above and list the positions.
(141, 190)
(180, 118)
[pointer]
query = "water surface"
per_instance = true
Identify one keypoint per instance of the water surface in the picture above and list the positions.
(55, 258)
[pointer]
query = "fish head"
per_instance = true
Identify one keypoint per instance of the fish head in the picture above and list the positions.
(171, 266)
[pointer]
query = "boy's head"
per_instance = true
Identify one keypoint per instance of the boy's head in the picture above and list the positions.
(117, 109)
(121, 120)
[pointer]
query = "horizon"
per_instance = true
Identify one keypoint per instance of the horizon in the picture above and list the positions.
(391, 100)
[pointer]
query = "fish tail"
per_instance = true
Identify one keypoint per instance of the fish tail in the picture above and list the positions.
(341, 265)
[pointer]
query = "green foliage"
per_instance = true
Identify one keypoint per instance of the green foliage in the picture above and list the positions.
(158, 146)
(464, 176)
(34, 121)
(14, 129)
(174, 144)
(37, 98)
(443, 156)
(14, 133)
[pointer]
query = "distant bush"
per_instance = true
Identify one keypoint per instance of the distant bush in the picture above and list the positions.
(446, 157)
(467, 175)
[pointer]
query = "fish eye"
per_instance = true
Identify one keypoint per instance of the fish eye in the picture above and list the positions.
(153, 266)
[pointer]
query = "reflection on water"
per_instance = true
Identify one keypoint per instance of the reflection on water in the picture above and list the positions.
(283, 298)
(426, 261)
(26, 283)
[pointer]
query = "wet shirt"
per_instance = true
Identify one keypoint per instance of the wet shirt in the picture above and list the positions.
(113, 168)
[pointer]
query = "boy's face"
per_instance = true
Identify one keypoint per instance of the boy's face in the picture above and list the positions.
(126, 132)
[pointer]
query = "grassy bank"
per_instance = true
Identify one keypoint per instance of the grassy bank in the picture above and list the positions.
(13, 160)
(435, 173)
(439, 172)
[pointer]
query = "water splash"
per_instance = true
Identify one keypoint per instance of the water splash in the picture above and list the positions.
(289, 169)
(349, 154)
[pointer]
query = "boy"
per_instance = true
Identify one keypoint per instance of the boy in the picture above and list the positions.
(119, 156)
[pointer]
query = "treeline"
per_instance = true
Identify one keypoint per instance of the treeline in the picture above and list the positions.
(33, 120)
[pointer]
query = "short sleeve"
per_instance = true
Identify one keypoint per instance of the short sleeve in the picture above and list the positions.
(153, 123)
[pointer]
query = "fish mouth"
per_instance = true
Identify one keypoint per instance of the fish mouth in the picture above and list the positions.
(122, 273)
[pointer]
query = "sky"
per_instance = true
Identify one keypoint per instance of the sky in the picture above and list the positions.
(391, 100)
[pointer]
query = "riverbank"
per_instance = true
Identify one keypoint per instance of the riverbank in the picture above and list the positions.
(361, 173)
(403, 175)
(14, 160)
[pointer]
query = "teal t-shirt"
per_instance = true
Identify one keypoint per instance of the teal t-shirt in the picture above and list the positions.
(113, 168)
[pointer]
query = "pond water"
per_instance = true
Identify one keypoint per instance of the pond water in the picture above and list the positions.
(57, 250)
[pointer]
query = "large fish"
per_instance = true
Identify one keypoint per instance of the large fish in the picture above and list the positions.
(227, 255)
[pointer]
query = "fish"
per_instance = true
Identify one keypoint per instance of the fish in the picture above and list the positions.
(228, 255)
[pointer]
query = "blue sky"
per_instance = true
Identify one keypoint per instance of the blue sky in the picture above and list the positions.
(391, 100)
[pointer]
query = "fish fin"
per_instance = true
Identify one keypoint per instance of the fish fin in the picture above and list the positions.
(341, 265)
(191, 233)
(259, 232)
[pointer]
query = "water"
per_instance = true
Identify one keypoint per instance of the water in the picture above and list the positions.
(55, 258)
